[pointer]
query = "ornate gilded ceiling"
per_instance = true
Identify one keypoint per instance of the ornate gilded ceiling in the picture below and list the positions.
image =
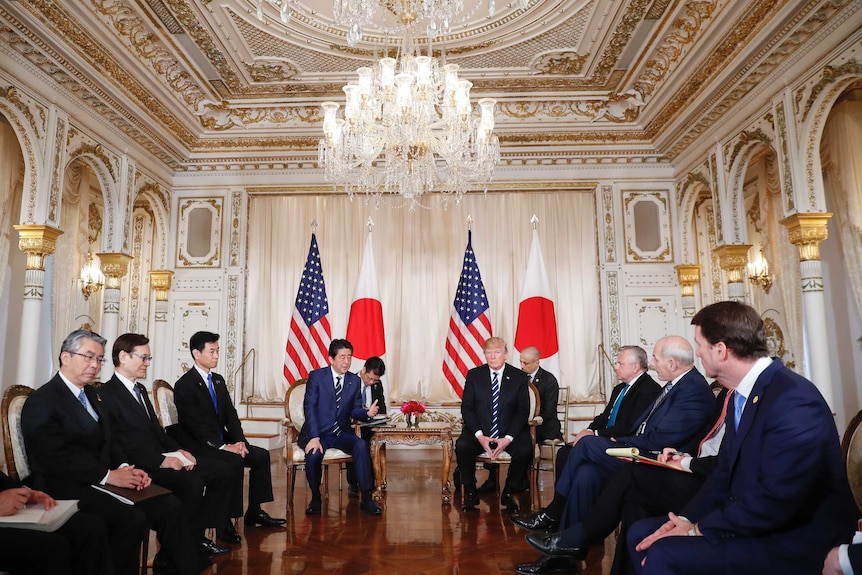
(194, 81)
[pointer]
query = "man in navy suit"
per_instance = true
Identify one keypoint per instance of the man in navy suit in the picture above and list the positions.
(778, 499)
(209, 420)
(630, 398)
(333, 398)
(493, 427)
(372, 395)
(674, 418)
(204, 486)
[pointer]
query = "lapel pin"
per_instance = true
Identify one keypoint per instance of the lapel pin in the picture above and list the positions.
(756, 399)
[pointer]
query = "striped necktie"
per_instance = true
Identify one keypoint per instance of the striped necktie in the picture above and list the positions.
(336, 429)
(658, 401)
(717, 425)
(137, 388)
(495, 403)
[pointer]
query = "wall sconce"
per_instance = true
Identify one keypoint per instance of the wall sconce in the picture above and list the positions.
(92, 278)
(758, 272)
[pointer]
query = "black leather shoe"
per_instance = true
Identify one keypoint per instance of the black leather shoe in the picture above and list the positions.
(509, 502)
(370, 507)
(471, 500)
(549, 544)
(353, 490)
(538, 521)
(545, 565)
(456, 479)
(228, 534)
(313, 507)
(262, 518)
(212, 549)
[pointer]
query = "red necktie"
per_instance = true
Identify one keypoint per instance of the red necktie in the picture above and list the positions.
(717, 423)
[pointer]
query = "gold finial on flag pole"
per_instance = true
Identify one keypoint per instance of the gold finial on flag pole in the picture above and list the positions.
(469, 223)
(535, 221)
(313, 226)
(370, 224)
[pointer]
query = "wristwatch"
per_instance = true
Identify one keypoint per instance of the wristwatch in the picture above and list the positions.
(692, 531)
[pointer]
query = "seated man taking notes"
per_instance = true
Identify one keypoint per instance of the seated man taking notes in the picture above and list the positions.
(372, 395)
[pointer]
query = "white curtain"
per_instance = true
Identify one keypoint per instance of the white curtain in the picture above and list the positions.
(11, 179)
(419, 257)
(841, 158)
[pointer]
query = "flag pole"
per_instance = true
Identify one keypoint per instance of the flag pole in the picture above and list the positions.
(314, 226)
(535, 221)
(370, 224)
(469, 223)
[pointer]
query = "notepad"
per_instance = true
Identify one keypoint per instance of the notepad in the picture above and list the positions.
(35, 517)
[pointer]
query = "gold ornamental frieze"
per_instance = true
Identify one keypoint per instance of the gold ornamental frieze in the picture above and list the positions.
(38, 242)
(733, 258)
(807, 232)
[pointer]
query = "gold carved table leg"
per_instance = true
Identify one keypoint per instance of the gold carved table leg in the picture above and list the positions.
(448, 449)
(378, 462)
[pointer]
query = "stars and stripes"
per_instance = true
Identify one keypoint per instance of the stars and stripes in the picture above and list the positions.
(469, 325)
(310, 333)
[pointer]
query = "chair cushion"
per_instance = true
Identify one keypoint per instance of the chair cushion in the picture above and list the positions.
(22, 466)
(504, 457)
(329, 455)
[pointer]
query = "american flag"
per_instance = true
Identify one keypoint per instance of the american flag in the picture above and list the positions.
(310, 334)
(469, 325)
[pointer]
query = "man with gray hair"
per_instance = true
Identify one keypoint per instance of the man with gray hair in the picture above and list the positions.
(675, 416)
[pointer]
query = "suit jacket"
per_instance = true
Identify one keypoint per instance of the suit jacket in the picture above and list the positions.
(513, 409)
(636, 401)
(703, 466)
(678, 418)
(778, 498)
(549, 394)
(67, 449)
(7, 482)
(321, 412)
(141, 437)
(377, 393)
(197, 416)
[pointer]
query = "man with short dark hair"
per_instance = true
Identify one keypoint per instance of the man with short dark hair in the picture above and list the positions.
(333, 397)
(778, 499)
(372, 395)
(207, 416)
(71, 446)
(204, 486)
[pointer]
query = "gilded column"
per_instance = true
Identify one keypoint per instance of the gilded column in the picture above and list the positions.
(688, 276)
(160, 281)
(114, 266)
(807, 232)
(38, 242)
(733, 259)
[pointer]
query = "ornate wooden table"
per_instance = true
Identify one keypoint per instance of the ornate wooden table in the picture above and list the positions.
(426, 434)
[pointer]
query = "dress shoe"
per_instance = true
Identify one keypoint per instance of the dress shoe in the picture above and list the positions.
(490, 486)
(471, 500)
(546, 565)
(456, 479)
(370, 507)
(538, 521)
(549, 544)
(313, 507)
(507, 501)
(261, 517)
(228, 534)
(212, 549)
(353, 491)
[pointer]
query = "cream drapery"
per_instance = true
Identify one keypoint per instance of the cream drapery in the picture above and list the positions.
(419, 257)
(11, 178)
(841, 158)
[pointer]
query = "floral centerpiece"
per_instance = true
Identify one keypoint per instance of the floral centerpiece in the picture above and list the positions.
(411, 410)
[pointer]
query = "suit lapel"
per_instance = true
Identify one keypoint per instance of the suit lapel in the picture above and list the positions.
(73, 404)
(752, 405)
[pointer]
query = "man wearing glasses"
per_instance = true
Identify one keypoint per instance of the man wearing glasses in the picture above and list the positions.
(146, 443)
(72, 447)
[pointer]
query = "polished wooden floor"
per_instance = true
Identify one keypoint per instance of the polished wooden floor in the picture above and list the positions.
(416, 535)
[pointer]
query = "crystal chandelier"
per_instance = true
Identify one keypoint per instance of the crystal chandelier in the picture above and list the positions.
(408, 128)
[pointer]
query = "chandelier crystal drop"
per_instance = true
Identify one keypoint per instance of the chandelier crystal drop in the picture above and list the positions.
(408, 128)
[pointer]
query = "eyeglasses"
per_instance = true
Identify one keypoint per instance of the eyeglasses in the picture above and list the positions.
(144, 358)
(90, 358)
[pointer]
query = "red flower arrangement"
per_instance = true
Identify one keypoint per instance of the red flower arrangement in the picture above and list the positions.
(412, 406)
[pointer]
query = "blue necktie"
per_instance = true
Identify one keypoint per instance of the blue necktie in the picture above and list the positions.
(495, 403)
(212, 391)
(82, 397)
(616, 408)
(738, 404)
(336, 429)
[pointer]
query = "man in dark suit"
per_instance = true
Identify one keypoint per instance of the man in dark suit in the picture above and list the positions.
(333, 398)
(204, 486)
(372, 395)
(71, 447)
(674, 418)
(80, 546)
(495, 408)
(778, 499)
(549, 394)
(630, 398)
(208, 418)
(634, 492)
(845, 559)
